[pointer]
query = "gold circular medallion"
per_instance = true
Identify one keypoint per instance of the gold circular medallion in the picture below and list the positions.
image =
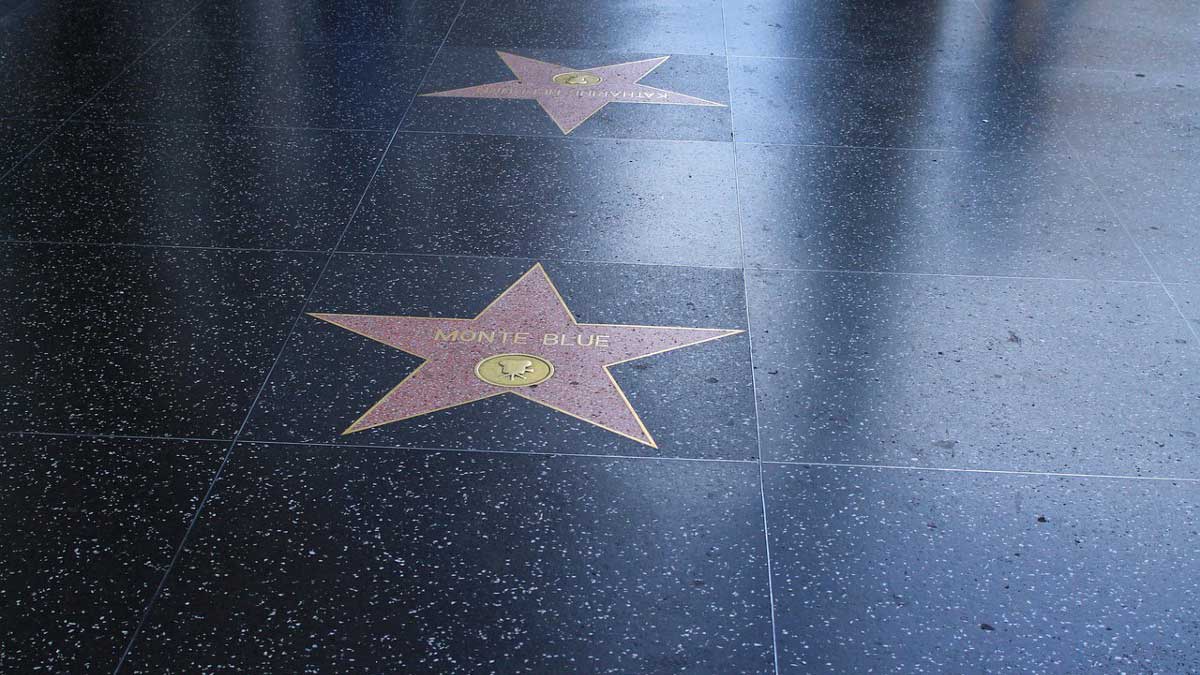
(514, 370)
(577, 79)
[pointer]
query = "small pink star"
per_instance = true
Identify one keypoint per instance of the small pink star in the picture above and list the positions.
(529, 319)
(570, 96)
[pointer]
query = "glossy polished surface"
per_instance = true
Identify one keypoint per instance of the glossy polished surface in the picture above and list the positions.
(855, 368)
(18, 138)
(681, 27)
(913, 383)
(1034, 573)
(888, 210)
(898, 104)
(90, 525)
(1143, 35)
(413, 22)
(161, 342)
(304, 84)
(240, 188)
(671, 203)
(563, 563)
(857, 29)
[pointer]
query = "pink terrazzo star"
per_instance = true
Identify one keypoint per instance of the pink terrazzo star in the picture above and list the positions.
(571, 104)
(529, 318)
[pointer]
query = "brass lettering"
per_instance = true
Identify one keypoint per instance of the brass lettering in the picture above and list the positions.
(593, 340)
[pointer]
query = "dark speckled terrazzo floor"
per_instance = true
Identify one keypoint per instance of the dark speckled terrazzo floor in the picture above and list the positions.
(957, 429)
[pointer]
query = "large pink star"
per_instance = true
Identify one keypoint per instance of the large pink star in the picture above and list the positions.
(570, 96)
(529, 318)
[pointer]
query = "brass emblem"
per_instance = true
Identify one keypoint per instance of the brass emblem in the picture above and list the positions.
(514, 370)
(577, 79)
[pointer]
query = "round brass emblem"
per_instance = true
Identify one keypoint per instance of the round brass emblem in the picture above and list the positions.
(514, 370)
(577, 79)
